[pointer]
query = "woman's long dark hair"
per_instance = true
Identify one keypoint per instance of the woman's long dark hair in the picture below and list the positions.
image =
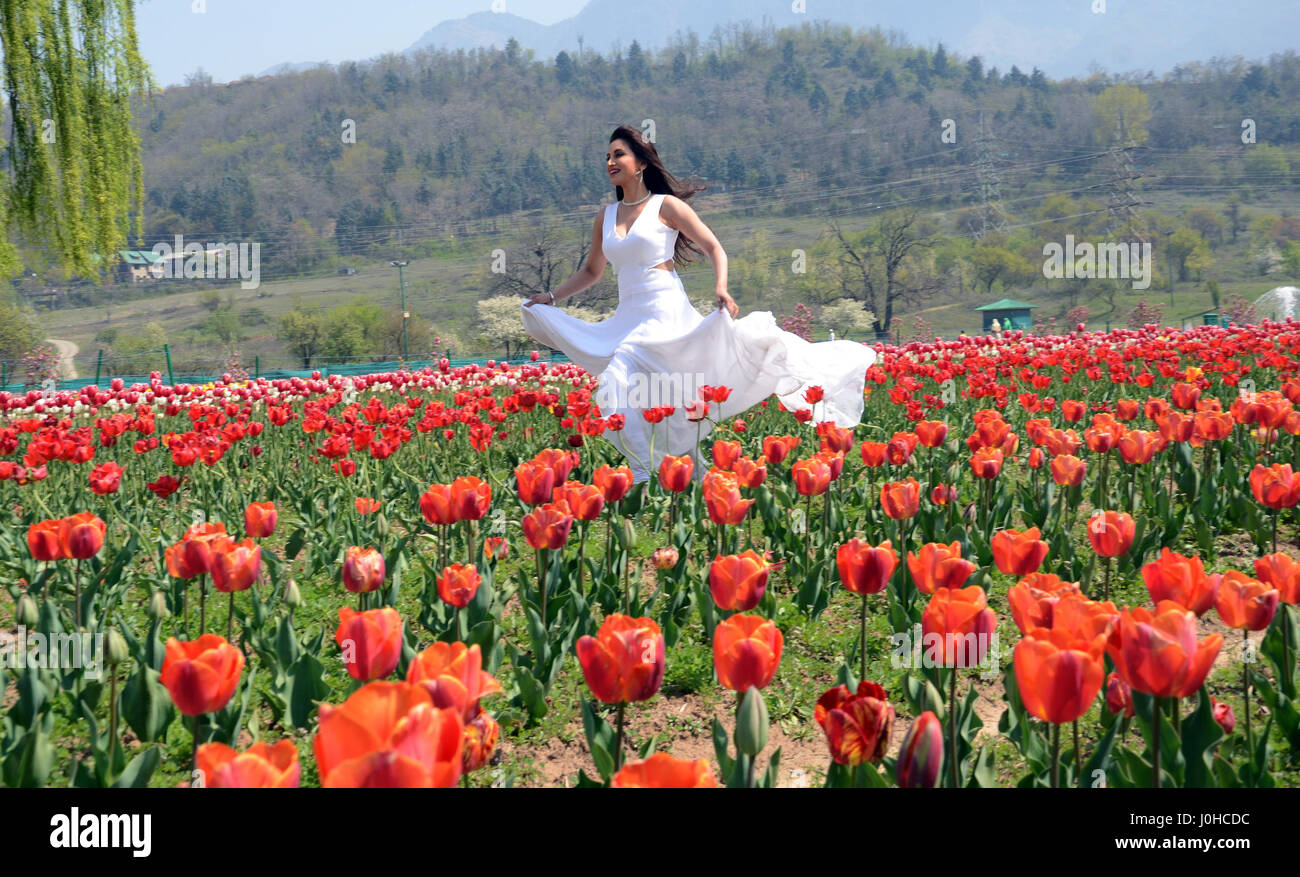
(658, 181)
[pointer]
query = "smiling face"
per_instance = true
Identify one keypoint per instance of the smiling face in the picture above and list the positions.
(622, 164)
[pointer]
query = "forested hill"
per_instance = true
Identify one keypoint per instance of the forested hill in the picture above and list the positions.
(788, 123)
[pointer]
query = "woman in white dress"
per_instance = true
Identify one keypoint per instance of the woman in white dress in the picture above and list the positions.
(657, 350)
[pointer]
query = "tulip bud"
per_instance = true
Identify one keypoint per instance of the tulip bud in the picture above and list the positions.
(752, 723)
(115, 650)
(625, 535)
(381, 525)
(986, 582)
(921, 755)
(26, 612)
(1224, 715)
(664, 558)
(157, 608)
(292, 596)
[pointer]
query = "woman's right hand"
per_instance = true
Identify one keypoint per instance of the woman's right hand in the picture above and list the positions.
(538, 298)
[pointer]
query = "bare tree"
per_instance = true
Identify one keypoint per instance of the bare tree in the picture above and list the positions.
(541, 267)
(881, 265)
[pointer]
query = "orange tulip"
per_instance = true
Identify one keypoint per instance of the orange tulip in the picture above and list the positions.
(811, 476)
(1126, 409)
(746, 652)
(723, 501)
(1083, 618)
(986, 463)
(196, 548)
(938, 566)
(561, 462)
(835, 439)
(675, 473)
(363, 570)
(584, 501)
(1212, 426)
(1283, 573)
(931, 433)
(81, 536)
(1111, 533)
(371, 642)
(1104, 434)
(261, 766)
(1018, 554)
(873, 453)
(1276, 486)
(833, 459)
(547, 526)
(366, 505)
(1068, 469)
(613, 483)
(662, 771)
(536, 482)
(1181, 580)
(777, 447)
(1058, 675)
(437, 507)
(749, 473)
(1137, 447)
(738, 581)
(1073, 410)
(857, 725)
(1184, 395)
(1036, 458)
(900, 499)
(202, 674)
(1157, 652)
(260, 519)
(1245, 603)
(389, 735)
(624, 661)
(725, 454)
(1176, 426)
(1034, 597)
(453, 676)
(865, 569)
(458, 584)
(43, 541)
(963, 623)
(1061, 442)
(470, 497)
(235, 565)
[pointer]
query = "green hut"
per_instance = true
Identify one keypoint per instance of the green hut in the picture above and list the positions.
(1009, 313)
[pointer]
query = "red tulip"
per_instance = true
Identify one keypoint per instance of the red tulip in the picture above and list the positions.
(106, 478)
(1283, 573)
(458, 584)
(1018, 554)
(260, 519)
(1068, 469)
(1181, 580)
(437, 507)
(470, 497)
(235, 565)
(81, 536)
(662, 771)
(1245, 603)
(261, 766)
(366, 505)
(1224, 715)
(584, 501)
(746, 652)
(371, 642)
(389, 735)
(1111, 533)
(547, 526)
(921, 755)
(624, 661)
(963, 623)
(900, 499)
(738, 581)
(536, 482)
(1157, 652)
(939, 566)
(1034, 597)
(202, 674)
(1058, 675)
(1276, 486)
(1119, 696)
(43, 541)
(453, 676)
(986, 463)
(613, 483)
(857, 725)
(675, 473)
(865, 569)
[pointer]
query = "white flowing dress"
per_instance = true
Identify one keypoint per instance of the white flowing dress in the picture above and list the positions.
(658, 350)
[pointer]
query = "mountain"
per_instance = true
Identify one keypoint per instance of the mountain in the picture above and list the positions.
(1062, 37)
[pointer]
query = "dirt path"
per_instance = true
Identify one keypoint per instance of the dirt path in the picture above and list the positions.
(67, 350)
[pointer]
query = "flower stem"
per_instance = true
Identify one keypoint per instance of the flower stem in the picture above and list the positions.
(618, 739)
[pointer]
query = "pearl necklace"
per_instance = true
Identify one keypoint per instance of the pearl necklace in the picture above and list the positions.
(627, 203)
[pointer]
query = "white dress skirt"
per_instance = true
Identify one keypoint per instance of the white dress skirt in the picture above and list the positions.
(657, 350)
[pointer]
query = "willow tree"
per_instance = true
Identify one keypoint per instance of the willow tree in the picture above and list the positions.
(74, 174)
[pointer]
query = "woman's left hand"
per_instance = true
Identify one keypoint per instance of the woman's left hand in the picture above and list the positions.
(727, 303)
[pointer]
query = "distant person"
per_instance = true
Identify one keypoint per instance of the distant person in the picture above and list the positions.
(656, 331)
(996, 326)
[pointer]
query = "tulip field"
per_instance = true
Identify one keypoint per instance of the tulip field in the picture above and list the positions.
(1064, 561)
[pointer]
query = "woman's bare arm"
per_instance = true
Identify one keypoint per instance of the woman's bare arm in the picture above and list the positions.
(586, 276)
(678, 214)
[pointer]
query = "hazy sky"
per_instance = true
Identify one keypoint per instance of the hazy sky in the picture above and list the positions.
(231, 38)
